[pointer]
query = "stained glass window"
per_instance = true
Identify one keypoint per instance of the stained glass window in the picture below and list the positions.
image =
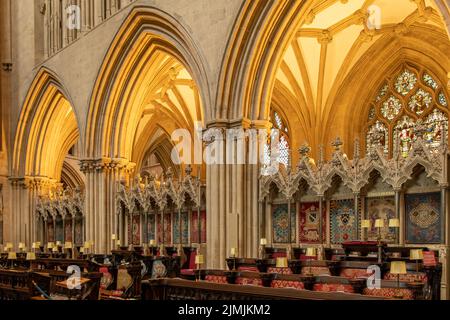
(404, 135)
(391, 108)
(372, 113)
(429, 81)
(436, 123)
(420, 101)
(279, 131)
(442, 100)
(378, 135)
(382, 93)
(405, 82)
(408, 96)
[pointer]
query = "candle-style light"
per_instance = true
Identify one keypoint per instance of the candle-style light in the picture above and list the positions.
(398, 268)
(310, 254)
(416, 255)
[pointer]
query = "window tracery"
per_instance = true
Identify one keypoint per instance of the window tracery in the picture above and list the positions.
(410, 96)
(279, 131)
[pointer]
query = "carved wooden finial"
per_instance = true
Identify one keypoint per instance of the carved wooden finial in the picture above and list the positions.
(188, 170)
(305, 150)
(337, 144)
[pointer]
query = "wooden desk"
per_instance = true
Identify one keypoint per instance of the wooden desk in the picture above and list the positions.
(177, 289)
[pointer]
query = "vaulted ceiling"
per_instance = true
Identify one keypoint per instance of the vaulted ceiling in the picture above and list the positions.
(334, 38)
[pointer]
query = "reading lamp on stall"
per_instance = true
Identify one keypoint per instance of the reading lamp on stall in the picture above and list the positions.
(416, 255)
(310, 254)
(398, 268)
(365, 225)
(379, 224)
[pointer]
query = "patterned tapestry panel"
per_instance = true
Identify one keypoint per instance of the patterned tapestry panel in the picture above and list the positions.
(50, 231)
(194, 226)
(167, 229)
(381, 208)
(59, 229)
(423, 218)
(151, 227)
(68, 231)
(309, 222)
(184, 226)
(343, 221)
(280, 223)
(136, 230)
(79, 231)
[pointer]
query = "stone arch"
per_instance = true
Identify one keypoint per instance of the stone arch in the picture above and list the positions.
(260, 38)
(147, 36)
(47, 129)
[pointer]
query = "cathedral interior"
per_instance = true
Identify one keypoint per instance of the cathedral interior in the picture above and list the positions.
(137, 145)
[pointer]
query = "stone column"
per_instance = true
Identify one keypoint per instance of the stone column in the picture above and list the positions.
(233, 219)
(102, 177)
(445, 287)
(22, 220)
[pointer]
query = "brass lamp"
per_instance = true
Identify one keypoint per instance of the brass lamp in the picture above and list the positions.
(282, 263)
(416, 255)
(365, 225)
(21, 246)
(398, 268)
(199, 260)
(12, 256)
(379, 224)
(310, 253)
(50, 246)
(31, 256)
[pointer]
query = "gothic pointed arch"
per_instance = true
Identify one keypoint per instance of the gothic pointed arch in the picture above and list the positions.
(309, 47)
(153, 70)
(47, 128)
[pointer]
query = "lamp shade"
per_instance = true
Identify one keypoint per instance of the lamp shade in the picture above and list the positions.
(31, 256)
(311, 252)
(12, 256)
(87, 245)
(38, 244)
(398, 267)
(9, 245)
(55, 249)
(365, 224)
(379, 223)
(68, 245)
(152, 243)
(394, 223)
(200, 259)
(282, 262)
(58, 244)
(113, 237)
(82, 250)
(34, 246)
(416, 254)
(21, 245)
(50, 245)
(233, 252)
(263, 241)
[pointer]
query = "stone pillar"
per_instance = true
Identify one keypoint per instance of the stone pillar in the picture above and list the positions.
(22, 219)
(102, 177)
(233, 211)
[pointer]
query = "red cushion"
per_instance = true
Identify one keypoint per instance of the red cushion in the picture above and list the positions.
(333, 287)
(248, 269)
(287, 284)
(188, 272)
(279, 255)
